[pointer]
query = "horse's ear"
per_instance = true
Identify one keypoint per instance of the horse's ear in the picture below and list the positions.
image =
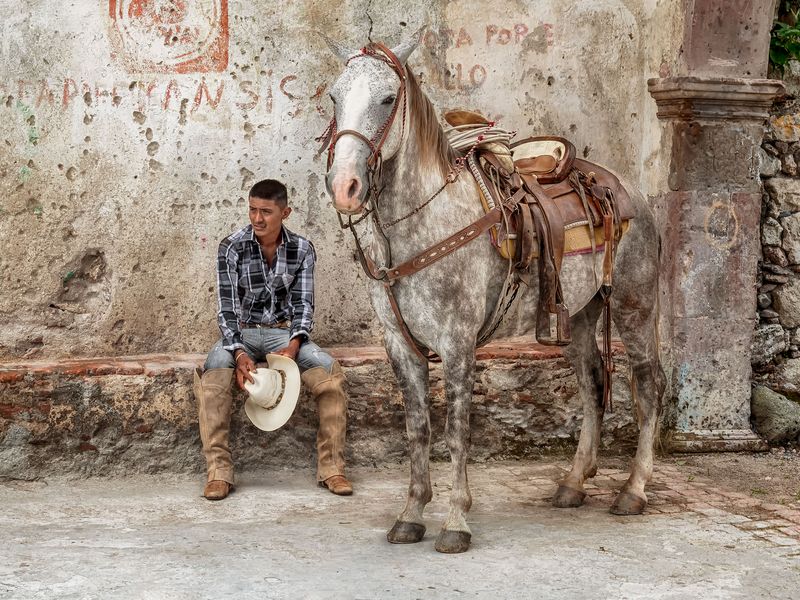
(404, 50)
(338, 49)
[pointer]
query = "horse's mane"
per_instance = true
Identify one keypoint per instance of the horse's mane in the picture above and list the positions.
(432, 143)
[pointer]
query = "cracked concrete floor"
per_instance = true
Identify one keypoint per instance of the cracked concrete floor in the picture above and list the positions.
(280, 536)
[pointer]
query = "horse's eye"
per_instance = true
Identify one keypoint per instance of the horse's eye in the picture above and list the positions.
(389, 100)
(332, 98)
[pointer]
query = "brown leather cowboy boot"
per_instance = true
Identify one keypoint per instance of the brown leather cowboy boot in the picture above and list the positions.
(212, 390)
(328, 390)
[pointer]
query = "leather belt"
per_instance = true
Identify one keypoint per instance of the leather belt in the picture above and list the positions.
(279, 325)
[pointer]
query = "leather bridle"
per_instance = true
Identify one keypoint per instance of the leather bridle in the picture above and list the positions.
(331, 136)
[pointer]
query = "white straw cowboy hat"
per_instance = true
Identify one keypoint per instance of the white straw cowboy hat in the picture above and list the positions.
(274, 394)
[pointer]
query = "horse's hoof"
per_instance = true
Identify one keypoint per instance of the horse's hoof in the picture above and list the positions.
(452, 542)
(628, 504)
(567, 497)
(403, 532)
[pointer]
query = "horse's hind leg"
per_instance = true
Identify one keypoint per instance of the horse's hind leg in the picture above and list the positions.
(412, 376)
(585, 358)
(459, 374)
(635, 314)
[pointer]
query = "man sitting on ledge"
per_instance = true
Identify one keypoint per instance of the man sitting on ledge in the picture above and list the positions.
(265, 288)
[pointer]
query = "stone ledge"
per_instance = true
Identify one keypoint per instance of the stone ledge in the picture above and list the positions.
(714, 98)
(156, 364)
(113, 416)
(710, 440)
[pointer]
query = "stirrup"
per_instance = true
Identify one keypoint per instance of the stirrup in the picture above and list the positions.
(552, 328)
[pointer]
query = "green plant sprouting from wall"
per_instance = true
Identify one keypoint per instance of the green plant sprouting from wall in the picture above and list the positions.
(785, 39)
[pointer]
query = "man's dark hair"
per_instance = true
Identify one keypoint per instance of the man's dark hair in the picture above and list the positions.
(271, 189)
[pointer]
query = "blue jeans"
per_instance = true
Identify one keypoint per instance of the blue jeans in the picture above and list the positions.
(261, 341)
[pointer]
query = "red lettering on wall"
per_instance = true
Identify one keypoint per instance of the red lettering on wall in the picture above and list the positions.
(101, 93)
(202, 90)
(172, 90)
(463, 38)
(142, 96)
(284, 82)
(506, 35)
(247, 88)
(45, 94)
(68, 95)
(464, 79)
(148, 89)
(477, 75)
(548, 32)
(494, 34)
(447, 38)
(491, 31)
(269, 92)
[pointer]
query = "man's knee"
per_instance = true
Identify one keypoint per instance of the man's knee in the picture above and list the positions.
(219, 358)
(311, 356)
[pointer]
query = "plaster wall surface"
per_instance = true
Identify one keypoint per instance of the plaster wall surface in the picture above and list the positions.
(130, 133)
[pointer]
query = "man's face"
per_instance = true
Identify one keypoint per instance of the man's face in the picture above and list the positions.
(266, 217)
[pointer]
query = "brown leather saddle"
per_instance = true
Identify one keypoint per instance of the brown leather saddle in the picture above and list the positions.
(563, 204)
(562, 195)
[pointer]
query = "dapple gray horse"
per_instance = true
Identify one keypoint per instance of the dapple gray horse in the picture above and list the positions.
(386, 135)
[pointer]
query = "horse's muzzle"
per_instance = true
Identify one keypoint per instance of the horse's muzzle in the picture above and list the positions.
(348, 193)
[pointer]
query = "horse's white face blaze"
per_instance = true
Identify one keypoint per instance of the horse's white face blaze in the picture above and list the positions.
(364, 96)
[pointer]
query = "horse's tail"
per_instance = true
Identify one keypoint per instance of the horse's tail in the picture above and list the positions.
(657, 334)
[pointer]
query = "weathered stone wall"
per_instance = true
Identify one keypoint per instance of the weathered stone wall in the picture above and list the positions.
(776, 344)
(137, 414)
(129, 136)
(778, 331)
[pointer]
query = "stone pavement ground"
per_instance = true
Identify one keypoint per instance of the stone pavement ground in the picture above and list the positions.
(281, 536)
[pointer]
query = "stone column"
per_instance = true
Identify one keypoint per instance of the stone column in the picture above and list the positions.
(713, 117)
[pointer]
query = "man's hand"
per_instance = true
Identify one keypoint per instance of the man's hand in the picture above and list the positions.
(244, 365)
(291, 350)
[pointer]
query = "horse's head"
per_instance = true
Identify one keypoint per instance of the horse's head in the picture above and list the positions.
(370, 113)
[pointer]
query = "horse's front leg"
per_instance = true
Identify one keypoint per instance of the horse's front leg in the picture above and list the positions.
(412, 377)
(459, 375)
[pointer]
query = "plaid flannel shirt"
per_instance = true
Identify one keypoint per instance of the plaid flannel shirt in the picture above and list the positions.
(251, 291)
